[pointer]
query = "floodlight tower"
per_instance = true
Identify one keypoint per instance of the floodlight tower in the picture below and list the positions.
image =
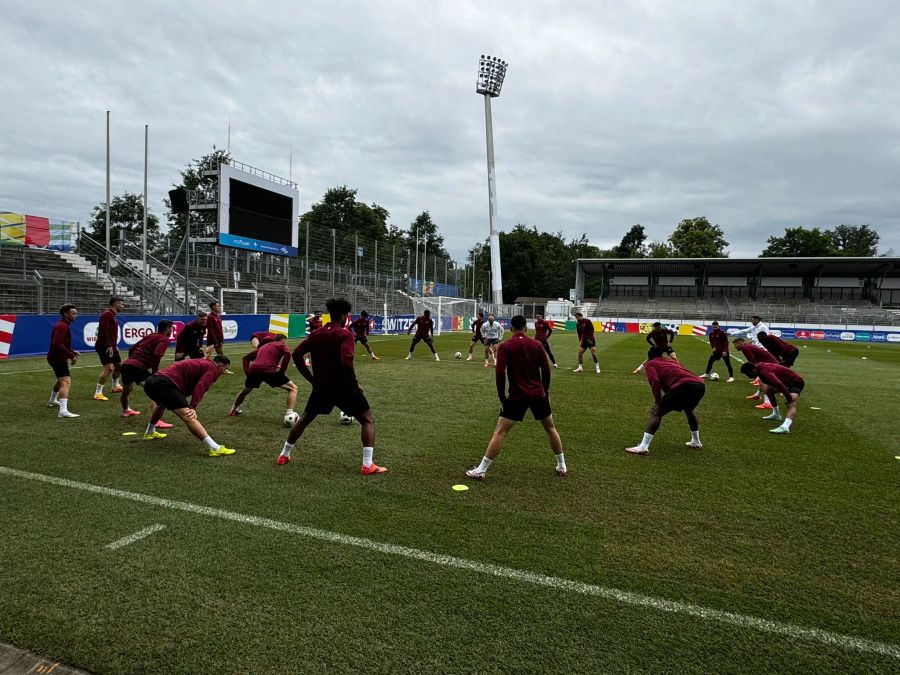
(491, 72)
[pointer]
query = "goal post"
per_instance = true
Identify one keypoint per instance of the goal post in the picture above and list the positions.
(449, 314)
(238, 300)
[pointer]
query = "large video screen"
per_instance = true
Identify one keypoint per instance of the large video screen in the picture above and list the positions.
(257, 214)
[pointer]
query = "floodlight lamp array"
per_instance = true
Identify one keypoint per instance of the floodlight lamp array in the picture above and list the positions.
(491, 72)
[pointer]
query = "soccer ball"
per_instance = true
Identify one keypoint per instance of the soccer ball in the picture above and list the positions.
(290, 419)
(457, 355)
(714, 376)
(345, 419)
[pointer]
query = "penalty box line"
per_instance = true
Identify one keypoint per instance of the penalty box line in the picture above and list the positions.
(613, 594)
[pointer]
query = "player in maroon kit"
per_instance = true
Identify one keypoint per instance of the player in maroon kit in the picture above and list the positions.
(778, 380)
(424, 331)
(189, 341)
(215, 334)
(524, 362)
(360, 329)
(718, 340)
(143, 360)
(542, 332)
(334, 384)
(755, 354)
(585, 329)
(58, 356)
(262, 337)
(476, 334)
(674, 388)
(169, 388)
(314, 323)
(658, 337)
(269, 365)
(785, 352)
(107, 348)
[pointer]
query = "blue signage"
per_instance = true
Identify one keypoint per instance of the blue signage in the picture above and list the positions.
(249, 244)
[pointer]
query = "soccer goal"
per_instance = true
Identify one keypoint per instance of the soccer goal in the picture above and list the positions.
(449, 314)
(238, 300)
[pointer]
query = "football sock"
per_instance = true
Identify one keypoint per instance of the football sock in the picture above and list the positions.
(645, 442)
(210, 443)
(367, 456)
(787, 424)
(286, 450)
(98, 390)
(485, 464)
(289, 411)
(150, 428)
(695, 436)
(115, 382)
(63, 405)
(560, 462)
(54, 396)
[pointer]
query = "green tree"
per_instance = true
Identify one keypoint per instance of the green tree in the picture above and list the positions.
(427, 231)
(698, 238)
(126, 218)
(854, 240)
(800, 242)
(633, 244)
(204, 222)
(661, 249)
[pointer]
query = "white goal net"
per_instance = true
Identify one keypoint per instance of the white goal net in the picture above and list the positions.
(238, 300)
(449, 314)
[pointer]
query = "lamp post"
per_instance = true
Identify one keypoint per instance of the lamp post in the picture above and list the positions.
(491, 73)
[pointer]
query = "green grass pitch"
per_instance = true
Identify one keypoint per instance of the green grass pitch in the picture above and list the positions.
(802, 529)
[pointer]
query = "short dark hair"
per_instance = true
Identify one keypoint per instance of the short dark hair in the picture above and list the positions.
(364, 314)
(715, 323)
(578, 314)
(338, 307)
(748, 369)
(762, 334)
(114, 299)
(213, 303)
(163, 326)
(280, 337)
(519, 322)
(480, 313)
(427, 312)
(657, 323)
(756, 316)
(655, 352)
(222, 360)
(65, 309)
(201, 314)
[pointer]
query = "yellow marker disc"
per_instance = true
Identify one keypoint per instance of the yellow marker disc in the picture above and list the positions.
(460, 488)
(812, 407)
(129, 433)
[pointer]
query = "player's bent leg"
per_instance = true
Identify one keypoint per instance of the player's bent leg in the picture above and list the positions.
(494, 447)
(306, 418)
(291, 389)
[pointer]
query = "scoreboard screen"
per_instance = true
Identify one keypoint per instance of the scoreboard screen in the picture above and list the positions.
(257, 214)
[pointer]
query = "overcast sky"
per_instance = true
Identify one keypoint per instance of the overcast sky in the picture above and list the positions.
(758, 115)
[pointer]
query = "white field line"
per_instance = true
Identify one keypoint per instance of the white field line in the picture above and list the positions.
(131, 538)
(625, 597)
(736, 358)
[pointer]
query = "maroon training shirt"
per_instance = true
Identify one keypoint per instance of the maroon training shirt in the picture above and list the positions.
(424, 326)
(263, 337)
(331, 353)
(360, 327)
(777, 346)
(524, 361)
(108, 332)
(61, 343)
(661, 337)
(542, 330)
(718, 340)
(215, 335)
(148, 352)
(666, 374)
(193, 377)
(274, 357)
(755, 354)
(190, 338)
(585, 329)
(314, 325)
(778, 376)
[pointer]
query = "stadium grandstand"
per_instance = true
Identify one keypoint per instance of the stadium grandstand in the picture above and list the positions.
(859, 291)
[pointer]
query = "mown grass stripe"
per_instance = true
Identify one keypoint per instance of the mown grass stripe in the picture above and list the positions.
(614, 594)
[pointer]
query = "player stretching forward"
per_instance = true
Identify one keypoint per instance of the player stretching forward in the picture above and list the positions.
(262, 337)
(360, 329)
(778, 379)
(215, 335)
(425, 332)
(268, 365)
(542, 332)
(585, 330)
(785, 352)
(674, 388)
(107, 348)
(755, 354)
(659, 337)
(58, 356)
(189, 341)
(476, 334)
(525, 363)
(718, 340)
(169, 387)
(752, 331)
(334, 383)
(492, 333)
(143, 360)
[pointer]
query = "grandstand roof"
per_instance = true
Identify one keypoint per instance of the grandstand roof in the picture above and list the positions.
(852, 267)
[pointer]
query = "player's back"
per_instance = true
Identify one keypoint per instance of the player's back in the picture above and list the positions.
(142, 354)
(186, 374)
(524, 360)
(331, 353)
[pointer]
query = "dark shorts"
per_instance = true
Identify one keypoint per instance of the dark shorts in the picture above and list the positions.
(720, 355)
(797, 390)
(490, 342)
(60, 369)
(684, 398)
(515, 409)
(588, 343)
(427, 340)
(105, 358)
(198, 354)
(351, 403)
(788, 360)
(162, 391)
(362, 339)
(274, 380)
(133, 374)
(477, 338)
